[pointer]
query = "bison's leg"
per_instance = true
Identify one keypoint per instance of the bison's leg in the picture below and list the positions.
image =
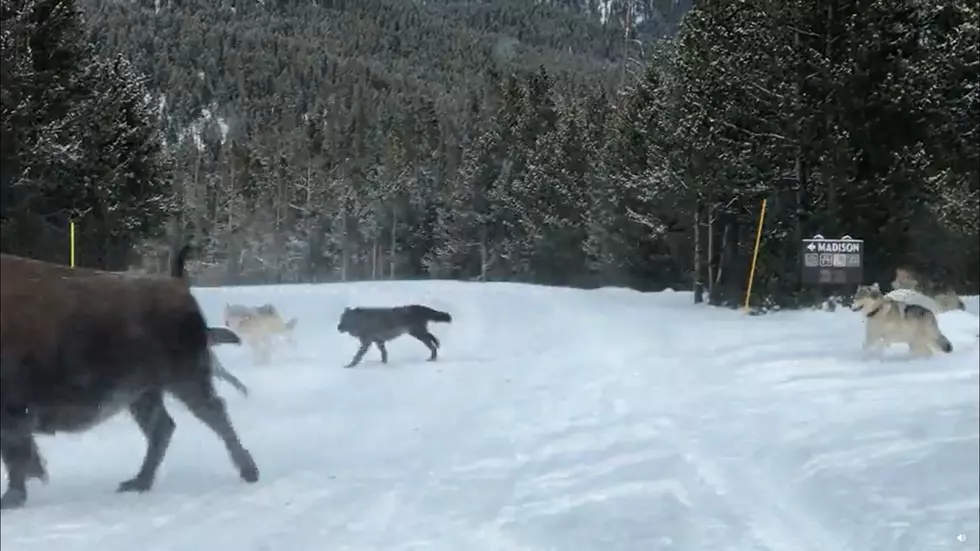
(158, 428)
(36, 467)
(200, 398)
(19, 454)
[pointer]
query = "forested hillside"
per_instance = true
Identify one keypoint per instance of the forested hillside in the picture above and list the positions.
(582, 142)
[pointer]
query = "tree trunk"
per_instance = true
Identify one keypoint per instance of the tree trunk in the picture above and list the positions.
(723, 255)
(345, 242)
(393, 237)
(698, 264)
(484, 261)
(711, 254)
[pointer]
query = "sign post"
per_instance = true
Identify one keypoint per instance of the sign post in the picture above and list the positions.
(71, 244)
(833, 261)
(755, 255)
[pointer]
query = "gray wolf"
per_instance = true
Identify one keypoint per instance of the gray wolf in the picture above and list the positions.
(380, 325)
(890, 321)
(944, 295)
(258, 326)
(77, 346)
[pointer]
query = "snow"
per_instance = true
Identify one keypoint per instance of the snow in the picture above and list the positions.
(555, 419)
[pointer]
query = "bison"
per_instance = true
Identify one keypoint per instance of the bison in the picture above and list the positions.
(77, 346)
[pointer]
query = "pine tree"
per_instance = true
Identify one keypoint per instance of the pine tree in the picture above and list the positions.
(80, 141)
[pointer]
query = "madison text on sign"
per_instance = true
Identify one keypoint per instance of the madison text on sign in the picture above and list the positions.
(834, 247)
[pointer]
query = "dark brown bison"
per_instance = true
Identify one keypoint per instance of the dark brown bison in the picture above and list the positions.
(78, 346)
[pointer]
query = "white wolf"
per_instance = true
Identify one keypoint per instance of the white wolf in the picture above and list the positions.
(944, 297)
(258, 326)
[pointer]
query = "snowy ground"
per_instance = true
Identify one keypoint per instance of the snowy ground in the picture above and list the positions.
(556, 420)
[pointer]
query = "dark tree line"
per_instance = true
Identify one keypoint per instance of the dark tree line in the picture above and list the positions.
(78, 140)
(576, 142)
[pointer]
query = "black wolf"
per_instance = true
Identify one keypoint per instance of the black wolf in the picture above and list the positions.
(379, 325)
(77, 346)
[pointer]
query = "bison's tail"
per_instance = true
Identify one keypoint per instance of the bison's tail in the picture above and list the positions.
(222, 335)
(177, 267)
(218, 371)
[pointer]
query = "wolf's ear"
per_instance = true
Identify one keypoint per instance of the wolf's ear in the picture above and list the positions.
(875, 286)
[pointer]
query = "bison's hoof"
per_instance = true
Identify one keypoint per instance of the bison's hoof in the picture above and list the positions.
(250, 474)
(13, 499)
(37, 471)
(135, 485)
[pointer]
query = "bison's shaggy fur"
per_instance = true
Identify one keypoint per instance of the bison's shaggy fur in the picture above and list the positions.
(77, 346)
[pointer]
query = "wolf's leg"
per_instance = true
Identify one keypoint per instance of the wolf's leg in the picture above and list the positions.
(263, 352)
(158, 428)
(874, 346)
(202, 401)
(19, 454)
(359, 355)
(384, 351)
(253, 346)
(919, 349)
(428, 340)
(867, 345)
(867, 354)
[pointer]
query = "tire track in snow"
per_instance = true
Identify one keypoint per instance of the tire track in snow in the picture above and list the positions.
(761, 493)
(776, 518)
(773, 516)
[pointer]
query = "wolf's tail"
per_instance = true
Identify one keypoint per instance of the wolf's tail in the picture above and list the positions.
(222, 335)
(944, 343)
(430, 314)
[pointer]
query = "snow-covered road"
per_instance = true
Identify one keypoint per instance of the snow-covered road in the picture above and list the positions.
(556, 419)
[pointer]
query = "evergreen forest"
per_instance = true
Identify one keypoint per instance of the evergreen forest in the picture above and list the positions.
(563, 142)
